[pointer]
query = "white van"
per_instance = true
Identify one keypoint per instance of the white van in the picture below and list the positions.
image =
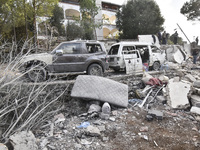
(150, 54)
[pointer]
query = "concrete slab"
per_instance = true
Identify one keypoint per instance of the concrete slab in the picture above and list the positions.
(101, 89)
(195, 110)
(177, 93)
(195, 100)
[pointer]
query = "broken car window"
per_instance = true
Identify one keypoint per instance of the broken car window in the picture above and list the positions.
(93, 48)
(69, 48)
(114, 50)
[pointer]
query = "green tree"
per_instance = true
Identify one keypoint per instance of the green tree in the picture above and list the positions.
(88, 11)
(56, 19)
(191, 10)
(139, 17)
(74, 31)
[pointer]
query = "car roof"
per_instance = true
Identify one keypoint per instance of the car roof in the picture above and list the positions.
(134, 43)
(82, 41)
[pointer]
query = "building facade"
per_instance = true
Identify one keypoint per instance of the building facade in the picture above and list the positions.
(106, 15)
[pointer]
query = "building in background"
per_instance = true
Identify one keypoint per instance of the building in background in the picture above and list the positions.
(106, 14)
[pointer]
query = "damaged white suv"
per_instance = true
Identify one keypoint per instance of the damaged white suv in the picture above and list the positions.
(68, 57)
(150, 54)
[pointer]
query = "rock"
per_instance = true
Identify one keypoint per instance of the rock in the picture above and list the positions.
(190, 78)
(195, 100)
(101, 128)
(59, 118)
(195, 110)
(144, 129)
(24, 140)
(94, 108)
(105, 139)
(196, 84)
(3, 147)
(161, 99)
(112, 119)
(156, 114)
(178, 98)
(101, 89)
(93, 131)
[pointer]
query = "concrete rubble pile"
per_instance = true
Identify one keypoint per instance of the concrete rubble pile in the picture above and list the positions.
(103, 112)
(194, 97)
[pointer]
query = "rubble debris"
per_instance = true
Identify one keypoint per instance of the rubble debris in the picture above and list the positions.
(175, 53)
(106, 110)
(3, 147)
(145, 99)
(144, 129)
(195, 110)
(175, 98)
(190, 78)
(93, 131)
(196, 84)
(94, 108)
(102, 89)
(23, 140)
(155, 114)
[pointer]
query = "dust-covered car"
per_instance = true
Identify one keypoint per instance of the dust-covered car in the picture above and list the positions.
(150, 54)
(68, 57)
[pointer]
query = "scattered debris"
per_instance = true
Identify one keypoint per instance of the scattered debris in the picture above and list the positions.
(23, 140)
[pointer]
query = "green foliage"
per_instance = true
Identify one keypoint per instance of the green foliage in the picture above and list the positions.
(56, 19)
(18, 14)
(89, 10)
(139, 17)
(74, 31)
(191, 10)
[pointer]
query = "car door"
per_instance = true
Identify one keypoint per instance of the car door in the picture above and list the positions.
(70, 59)
(132, 61)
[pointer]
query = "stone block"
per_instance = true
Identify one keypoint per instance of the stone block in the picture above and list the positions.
(196, 84)
(156, 114)
(101, 89)
(195, 100)
(177, 93)
(23, 140)
(190, 78)
(195, 110)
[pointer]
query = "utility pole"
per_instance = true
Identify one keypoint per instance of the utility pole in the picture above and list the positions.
(183, 33)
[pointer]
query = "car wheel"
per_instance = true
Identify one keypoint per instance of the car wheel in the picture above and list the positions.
(95, 70)
(156, 66)
(36, 73)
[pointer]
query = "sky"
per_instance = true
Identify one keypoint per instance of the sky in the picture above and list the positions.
(170, 10)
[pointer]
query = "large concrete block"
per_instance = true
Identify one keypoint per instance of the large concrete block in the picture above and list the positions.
(102, 89)
(195, 110)
(177, 92)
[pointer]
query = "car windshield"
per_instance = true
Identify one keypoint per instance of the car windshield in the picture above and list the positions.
(114, 50)
(68, 48)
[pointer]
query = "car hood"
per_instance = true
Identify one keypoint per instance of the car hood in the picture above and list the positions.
(43, 57)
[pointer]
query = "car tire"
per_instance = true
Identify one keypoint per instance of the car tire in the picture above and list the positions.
(156, 66)
(37, 73)
(95, 69)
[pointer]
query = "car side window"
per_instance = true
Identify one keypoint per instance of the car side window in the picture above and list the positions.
(113, 50)
(93, 48)
(70, 48)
